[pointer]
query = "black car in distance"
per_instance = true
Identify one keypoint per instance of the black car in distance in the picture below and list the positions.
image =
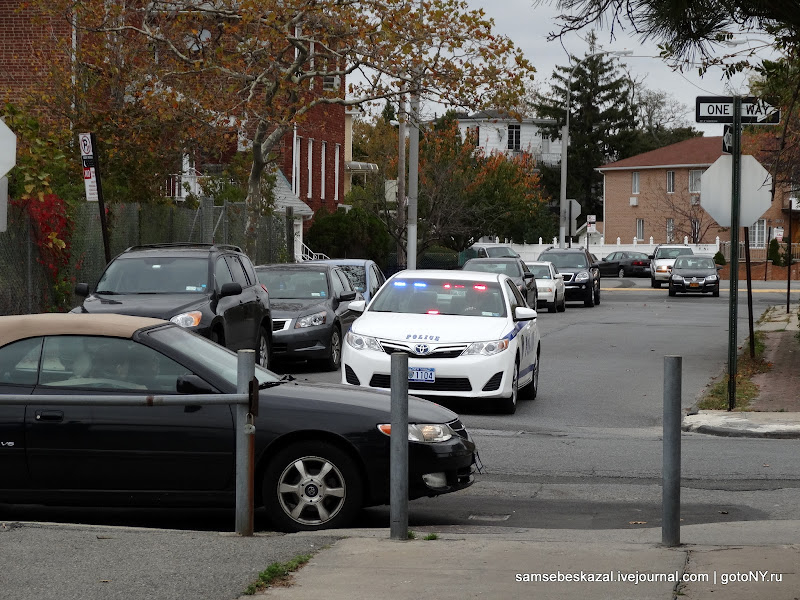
(310, 314)
(580, 270)
(211, 289)
(694, 274)
(515, 268)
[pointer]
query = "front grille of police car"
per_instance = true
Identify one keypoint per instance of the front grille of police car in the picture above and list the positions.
(450, 351)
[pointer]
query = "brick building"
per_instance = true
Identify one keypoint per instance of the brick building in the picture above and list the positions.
(657, 195)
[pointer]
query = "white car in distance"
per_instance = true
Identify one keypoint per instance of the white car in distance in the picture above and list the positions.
(550, 284)
(467, 334)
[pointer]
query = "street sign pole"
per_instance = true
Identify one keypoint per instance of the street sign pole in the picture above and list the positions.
(736, 171)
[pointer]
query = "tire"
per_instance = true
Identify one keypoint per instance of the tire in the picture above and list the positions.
(589, 300)
(262, 348)
(311, 500)
(334, 361)
(218, 336)
(653, 283)
(715, 293)
(621, 273)
(563, 306)
(529, 391)
(671, 290)
(597, 294)
(508, 406)
(553, 306)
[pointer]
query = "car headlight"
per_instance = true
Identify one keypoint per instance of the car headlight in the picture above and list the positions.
(486, 348)
(362, 342)
(663, 269)
(188, 319)
(712, 278)
(423, 432)
(677, 277)
(582, 276)
(311, 320)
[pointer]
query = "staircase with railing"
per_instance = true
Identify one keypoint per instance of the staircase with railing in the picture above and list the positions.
(308, 254)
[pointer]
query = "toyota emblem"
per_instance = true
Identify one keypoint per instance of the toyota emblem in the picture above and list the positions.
(422, 349)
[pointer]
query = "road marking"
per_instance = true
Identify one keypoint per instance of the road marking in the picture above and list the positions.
(489, 517)
(663, 290)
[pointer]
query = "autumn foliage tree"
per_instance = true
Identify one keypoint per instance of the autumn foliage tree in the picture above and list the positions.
(168, 73)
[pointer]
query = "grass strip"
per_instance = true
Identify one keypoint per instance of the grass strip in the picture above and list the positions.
(716, 396)
(277, 574)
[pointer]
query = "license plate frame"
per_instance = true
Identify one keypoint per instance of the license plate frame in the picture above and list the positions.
(421, 375)
(694, 284)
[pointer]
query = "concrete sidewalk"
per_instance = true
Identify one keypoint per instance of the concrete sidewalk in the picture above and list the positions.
(743, 560)
(780, 382)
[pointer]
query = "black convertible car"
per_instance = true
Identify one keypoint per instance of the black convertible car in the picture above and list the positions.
(322, 451)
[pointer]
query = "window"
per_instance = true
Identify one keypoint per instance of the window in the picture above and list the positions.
(322, 170)
(694, 181)
(19, 362)
(514, 137)
(336, 174)
(670, 182)
(330, 82)
(222, 273)
(635, 182)
(337, 287)
(639, 229)
(670, 231)
(238, 271)
(759, 232)
(545, 144)
(310, 166)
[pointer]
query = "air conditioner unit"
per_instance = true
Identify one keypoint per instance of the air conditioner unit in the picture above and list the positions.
(695, 201)
(794, 203)
(634, 201)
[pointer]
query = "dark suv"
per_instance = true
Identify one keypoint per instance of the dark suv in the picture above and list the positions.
(209, 289)
(581, 273)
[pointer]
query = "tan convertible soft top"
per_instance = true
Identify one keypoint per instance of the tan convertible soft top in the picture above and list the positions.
(17, 327)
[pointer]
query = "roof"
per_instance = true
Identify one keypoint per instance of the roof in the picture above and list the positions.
(285, 197)
(694, 152)
(501, 115)
(307, 265)
(360, 262)
(17, 327)
(444, 274)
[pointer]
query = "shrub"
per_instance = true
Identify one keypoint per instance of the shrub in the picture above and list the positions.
(774, 253)
(719, 258)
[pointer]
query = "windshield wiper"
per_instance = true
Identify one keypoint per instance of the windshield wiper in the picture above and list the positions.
(107, 292)
(268, 384)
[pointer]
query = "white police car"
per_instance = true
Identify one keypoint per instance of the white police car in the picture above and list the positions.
(467, 334)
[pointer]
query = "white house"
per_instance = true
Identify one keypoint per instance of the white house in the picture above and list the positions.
(499, 132)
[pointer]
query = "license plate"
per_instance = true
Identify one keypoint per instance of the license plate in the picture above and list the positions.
(695, 284)
(422, 374)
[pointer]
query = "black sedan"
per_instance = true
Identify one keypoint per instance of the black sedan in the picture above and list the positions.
(625, 264)
(322, 451)
(515, 268)
(694, 274)
(309, 310)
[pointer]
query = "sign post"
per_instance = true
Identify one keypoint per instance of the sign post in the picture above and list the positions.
(91, 182)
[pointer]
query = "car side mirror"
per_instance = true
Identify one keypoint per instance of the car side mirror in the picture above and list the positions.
(347, 296)
(357, 305)
(230, 289)
(192, 384)
(651, 256)
(523, 313)
(82, 290)
(528, 276)
(559, 276)
(604, 259)
(719, 267)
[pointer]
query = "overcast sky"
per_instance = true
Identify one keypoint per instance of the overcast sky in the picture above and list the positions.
(528, 28)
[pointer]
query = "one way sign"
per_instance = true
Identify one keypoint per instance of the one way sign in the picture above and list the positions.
(719, 109)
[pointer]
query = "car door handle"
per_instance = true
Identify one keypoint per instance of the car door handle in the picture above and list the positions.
(49, 415)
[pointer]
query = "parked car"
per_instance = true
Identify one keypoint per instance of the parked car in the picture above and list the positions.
(515, 268)
(625, 264)
(493, 251)
(309, 310)
(580, 271)
(467, 334)
(210, 289)
(321, 452)
(661, 261)
(694, 274)
(550, 285)
(365, 276)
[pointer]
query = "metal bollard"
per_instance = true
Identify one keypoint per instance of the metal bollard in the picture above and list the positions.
(398, 468)
(671, 454)
(245, 447)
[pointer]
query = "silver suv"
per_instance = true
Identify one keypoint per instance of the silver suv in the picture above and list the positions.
(661, 261)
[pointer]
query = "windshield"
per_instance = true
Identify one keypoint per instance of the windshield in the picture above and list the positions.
(357, 275)
(155, 275)
(672, 252)
(213, 357)
(436, 297)
(500, 251)
(567, 260)
(297, 284)
(540, 271)
(511, 269)
(694, 262)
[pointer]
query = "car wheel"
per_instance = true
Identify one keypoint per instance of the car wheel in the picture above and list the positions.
(335, 359)
(671, 290)
(508, 406)
(217, 336)
(715, 293)
(563, 306)
(551, 306)
(621, 272)
(311, 485)
(589, 300)
(262, 349)
(529, 391)
(597, 294)
(653, 283)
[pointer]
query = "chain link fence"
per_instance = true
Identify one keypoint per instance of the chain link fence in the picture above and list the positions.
(26, 286)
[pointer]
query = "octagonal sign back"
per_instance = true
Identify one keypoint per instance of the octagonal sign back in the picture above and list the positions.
(716, 191)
